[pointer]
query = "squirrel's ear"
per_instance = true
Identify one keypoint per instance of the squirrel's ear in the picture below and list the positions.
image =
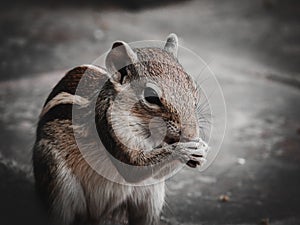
(120, 56)
(172, 44)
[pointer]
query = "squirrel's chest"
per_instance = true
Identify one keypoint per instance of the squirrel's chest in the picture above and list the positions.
(105, 199)
(102, 199)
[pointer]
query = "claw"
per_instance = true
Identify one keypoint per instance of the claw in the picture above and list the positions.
(197, 155)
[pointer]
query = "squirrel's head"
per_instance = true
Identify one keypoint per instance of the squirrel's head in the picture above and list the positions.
(155, 100)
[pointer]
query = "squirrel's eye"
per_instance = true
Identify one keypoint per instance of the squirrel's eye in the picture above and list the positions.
(151, 96)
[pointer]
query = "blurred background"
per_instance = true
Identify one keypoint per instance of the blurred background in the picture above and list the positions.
(253, 47)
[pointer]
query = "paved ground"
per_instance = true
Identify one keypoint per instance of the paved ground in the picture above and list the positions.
(252, 46)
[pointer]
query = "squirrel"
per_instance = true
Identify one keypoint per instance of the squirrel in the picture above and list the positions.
(121, 111)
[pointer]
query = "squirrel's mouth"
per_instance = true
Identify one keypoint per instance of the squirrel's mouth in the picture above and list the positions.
(171, 140)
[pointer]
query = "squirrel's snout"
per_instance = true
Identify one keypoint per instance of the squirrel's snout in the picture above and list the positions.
(189, 133)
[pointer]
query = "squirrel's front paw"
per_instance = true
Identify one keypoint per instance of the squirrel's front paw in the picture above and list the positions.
(192, 153)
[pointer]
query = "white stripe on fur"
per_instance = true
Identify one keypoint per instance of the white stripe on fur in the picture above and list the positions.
(90, 66)
(64, 98)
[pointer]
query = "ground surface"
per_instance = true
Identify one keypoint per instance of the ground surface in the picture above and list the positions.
(253, 48)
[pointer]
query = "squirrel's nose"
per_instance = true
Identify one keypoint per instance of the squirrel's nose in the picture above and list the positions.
(189, 133)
